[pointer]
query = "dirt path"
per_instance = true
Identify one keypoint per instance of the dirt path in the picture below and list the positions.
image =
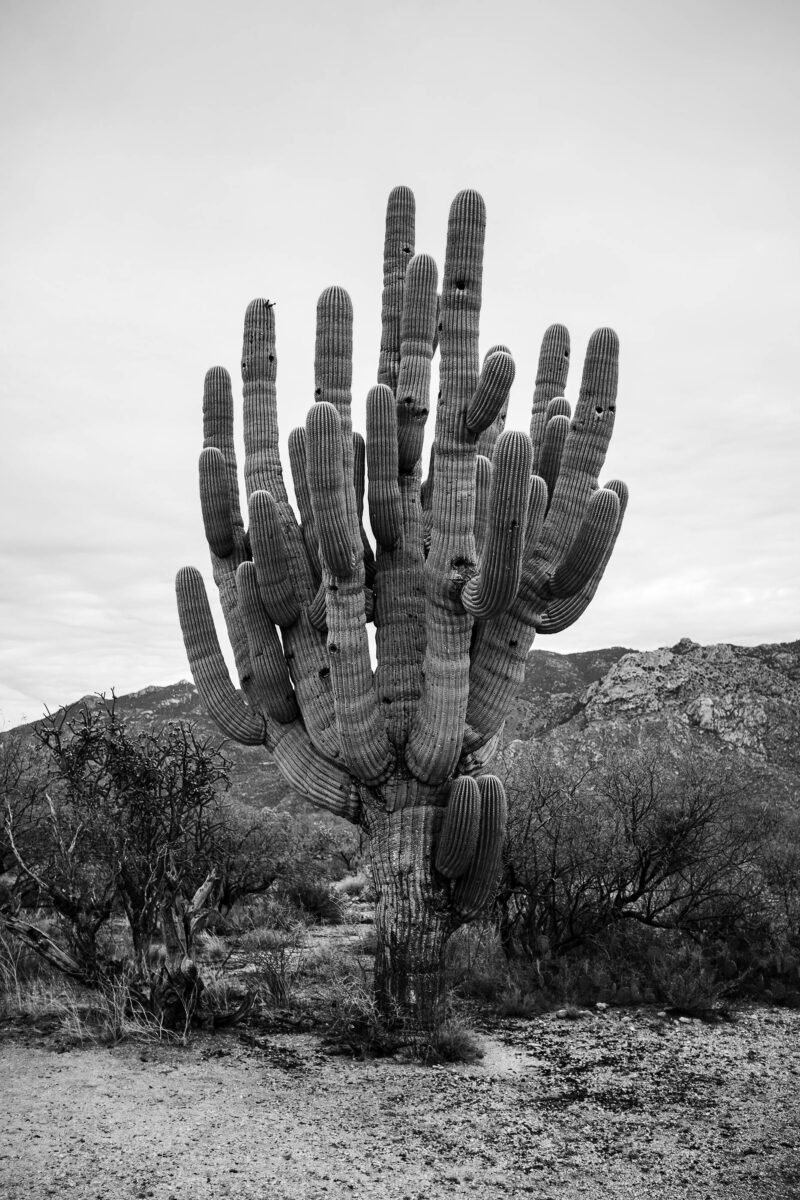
(615, 1105)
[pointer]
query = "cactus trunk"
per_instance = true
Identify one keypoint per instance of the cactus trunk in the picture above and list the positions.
(413, 919)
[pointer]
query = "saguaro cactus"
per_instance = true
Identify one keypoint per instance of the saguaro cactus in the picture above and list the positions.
(510, 534)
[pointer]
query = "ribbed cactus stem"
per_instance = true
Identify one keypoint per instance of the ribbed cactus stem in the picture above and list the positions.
(270, 674)
(492, 590)
(459, 833)
(561, 613)
(474, 889)
(590, 547)
(417, 327)
(483, 487)
(266, 539)
(385, 510)
(551, 379)
(434, 745)
(398, 250)
(298, 466)
(491, 394)
(262, 470)
(215, 503)
(208, 668)
(555, 435)
(326, 481)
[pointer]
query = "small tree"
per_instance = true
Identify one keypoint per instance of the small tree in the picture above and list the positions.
(129, 817)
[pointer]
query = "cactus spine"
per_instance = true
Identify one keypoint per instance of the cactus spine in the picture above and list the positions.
(510, 534)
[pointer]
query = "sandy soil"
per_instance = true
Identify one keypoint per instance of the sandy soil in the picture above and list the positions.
(615, 1105)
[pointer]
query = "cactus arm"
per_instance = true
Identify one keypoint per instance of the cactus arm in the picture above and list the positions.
(329, 453)
(489, 436)
(483, 488)
(297, 464)
(585, 447)
(563, 612)
(555, 435)
(551, 379)
(399, 589)
(215, 503)
(458, 837)
(323, 782)
(385, 505)
(326, 784)
(501, 646)
(270, 674)
(417, 330)
(494, 587)
(435, 740)
(492, 393)
(225, 704)
(475, 887)
(398, 249)
(277, 593)
(216, 486)
(590, 546)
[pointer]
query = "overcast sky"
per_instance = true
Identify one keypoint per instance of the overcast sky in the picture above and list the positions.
(164, 163)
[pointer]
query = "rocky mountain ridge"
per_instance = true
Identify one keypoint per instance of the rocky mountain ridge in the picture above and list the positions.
(735, 699)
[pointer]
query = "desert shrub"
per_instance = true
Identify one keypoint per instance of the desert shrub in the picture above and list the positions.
(353, 886)
(452, 1042)
(647, 837)
(317, 901)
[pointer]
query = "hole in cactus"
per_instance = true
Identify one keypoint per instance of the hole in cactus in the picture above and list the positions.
(566, 354)
(386, 699)
(317, 391)
(513, 643)
(460, 285)
(406, 249)
(409, 400)
(324, 672)
(598, 409)
(514, 525)
(439, 327)
(333, 648)
(272, 358)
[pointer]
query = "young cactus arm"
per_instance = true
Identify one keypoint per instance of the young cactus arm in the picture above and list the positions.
(564, 611)
(458, 837)
(434, 744)
(487, 439)
(224, 703)
(398, 250)
(474, 889)
(492, 393)
(491, 591)
(551, 380)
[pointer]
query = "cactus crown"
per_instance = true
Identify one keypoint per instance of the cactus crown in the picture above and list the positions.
(510, 534)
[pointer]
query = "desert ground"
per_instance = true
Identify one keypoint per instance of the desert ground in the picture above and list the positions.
(610, 1103)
